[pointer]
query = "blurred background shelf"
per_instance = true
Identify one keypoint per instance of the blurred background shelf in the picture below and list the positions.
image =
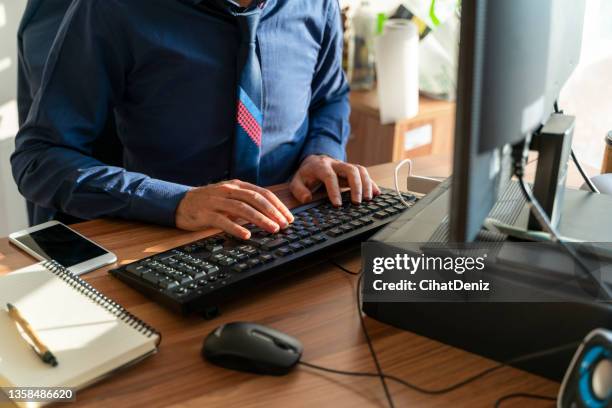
(430, 132)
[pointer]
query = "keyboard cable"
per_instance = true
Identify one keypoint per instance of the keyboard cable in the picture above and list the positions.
(396, 179)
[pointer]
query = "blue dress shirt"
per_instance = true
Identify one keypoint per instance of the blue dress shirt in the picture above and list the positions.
(39, 26)
(167, 71)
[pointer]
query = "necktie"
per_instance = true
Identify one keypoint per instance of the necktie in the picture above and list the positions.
(249, 118)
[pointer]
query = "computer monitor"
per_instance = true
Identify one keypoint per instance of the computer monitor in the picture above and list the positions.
(514, 58)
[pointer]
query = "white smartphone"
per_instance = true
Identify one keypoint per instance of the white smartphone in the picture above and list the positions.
(54, 240)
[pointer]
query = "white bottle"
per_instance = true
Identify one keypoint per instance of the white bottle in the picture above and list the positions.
(397, 69)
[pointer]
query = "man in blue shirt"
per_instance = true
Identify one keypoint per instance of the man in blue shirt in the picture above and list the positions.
(167, 71)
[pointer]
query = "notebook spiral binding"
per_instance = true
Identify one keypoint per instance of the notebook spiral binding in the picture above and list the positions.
(99, 298)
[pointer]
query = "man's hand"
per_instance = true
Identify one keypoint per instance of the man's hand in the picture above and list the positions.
(323, 169)
(221, 205)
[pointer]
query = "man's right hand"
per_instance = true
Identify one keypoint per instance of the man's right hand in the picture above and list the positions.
(221, 205)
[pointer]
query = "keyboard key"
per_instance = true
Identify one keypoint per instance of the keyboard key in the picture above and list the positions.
(307, 243)
(265, 258)
(303, 234)
(153, 278)
(295, 247)
(227, 262)
(381, 214)
(288, 231)
(233, 253)
(217, 257)
(253, 262)
(241, 256)
(210, 269)
(292, 237)
(346, 228)
(259, 241)
(277, 243)
(184, 279)
(366, 220)
(284, 251)
(196, 274)
(241, 267)
(356, 223)
(214, 248)
(138, 270)
(335, 232)
(320, 238)
(248, 250)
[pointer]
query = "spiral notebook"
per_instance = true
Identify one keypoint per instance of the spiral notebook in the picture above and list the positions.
(90, 335)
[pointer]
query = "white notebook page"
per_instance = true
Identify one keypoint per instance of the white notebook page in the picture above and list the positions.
(87, 340)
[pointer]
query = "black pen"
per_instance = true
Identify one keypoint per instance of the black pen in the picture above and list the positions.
(39, 347)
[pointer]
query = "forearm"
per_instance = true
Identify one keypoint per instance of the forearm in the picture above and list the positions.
(66, 180)
(329, 128)
(329, 111)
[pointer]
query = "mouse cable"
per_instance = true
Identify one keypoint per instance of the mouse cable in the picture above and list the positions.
(364, 329)
(439, 391)
(577, 163)
(508, 397)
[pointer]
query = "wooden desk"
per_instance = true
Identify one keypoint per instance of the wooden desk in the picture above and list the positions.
(317, 306)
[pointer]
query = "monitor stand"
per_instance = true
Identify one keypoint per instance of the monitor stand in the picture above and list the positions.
(501, 331)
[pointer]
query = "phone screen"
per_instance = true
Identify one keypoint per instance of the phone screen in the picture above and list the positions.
(61, 244)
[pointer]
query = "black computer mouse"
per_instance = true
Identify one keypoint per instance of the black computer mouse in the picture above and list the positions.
(252, 348)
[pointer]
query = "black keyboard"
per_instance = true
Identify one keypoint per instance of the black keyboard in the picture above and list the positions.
(197, 277)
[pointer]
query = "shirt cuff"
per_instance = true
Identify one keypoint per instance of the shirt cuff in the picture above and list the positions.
(326, 146)
(157, 200)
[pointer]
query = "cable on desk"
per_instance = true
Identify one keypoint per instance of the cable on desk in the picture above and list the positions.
(452, 387)
(370, 345)
(414, 387)
(342, 268)
(508, 397)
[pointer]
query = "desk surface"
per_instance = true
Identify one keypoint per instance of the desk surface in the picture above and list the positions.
(317, 306)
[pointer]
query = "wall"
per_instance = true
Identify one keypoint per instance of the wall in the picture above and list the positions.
(12, 206)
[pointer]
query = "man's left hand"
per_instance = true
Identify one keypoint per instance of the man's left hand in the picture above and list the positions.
(318, 169)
